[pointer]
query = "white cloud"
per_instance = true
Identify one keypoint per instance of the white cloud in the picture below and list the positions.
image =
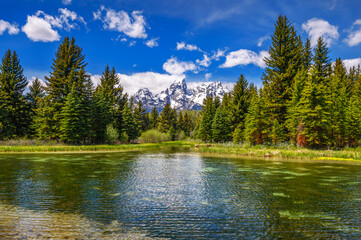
(132, 43)
(33, 79)
(152, 42)
(208, 76)
(349, 63)
(40, 26)
(155, 82)
(175, 67)
(133, 26)
(66, 2)
(218, 54)
(354, 36)
(205, 62)
(245, 57)
(11, 28)
(316, 28)
(187, 47)
(261, 40)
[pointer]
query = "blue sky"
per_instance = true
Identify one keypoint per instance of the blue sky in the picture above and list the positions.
(153, 43)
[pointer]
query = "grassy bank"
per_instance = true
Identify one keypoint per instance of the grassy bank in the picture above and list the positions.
(285, 151)
(88, 148)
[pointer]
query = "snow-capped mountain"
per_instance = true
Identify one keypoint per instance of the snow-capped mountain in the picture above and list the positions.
(180, 96)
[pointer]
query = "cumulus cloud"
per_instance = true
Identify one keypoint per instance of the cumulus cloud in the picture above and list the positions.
(30, 82)
(245, 57)
(66, 2)
(40, 26)
(262, 40)
(354, 36)
(316, 28)
(349, 63)
(205, 62)
(155, 82)
(187, 47)
(219, 53)
(152, 42)
(6, 26)
(175, 67)
(133, 26)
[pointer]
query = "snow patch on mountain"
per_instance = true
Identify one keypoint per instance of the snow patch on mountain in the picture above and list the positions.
(179, 96)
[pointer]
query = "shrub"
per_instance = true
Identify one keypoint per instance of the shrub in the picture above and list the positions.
(111, 134)
(181, 136)
(153, 136)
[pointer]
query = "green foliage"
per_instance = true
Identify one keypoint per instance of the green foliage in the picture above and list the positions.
(167, 119)
(112, 134)
(15, 111)
(209, 108)
(72, 127)
(221, 127)
(153, 136)
(129, 129)
(153, 118)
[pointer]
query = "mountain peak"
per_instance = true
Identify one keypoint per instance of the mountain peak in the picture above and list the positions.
(180, 96)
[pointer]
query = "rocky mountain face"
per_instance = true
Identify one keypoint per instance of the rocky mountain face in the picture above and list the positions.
(179, 96)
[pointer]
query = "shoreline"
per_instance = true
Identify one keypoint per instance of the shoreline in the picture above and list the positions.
(231, 150)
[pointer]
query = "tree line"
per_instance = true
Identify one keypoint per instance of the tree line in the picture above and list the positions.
(305, 99)
(70, 109)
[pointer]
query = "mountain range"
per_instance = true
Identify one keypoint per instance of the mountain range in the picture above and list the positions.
(179, 96)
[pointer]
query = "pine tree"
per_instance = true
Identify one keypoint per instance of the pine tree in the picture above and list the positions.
(221, 127)
(307, 55)
(129, 125)
(167, 119)
(208, 111)
(72, 127)
(353, 116)
(140, 117)
(180, 122)
(68, 70)
(187, 124)
(15, 111)
(255, 125)
(153, 118)
(339, 101)
(34, 97)
(240, 96)
(293, 112)
(282, 66)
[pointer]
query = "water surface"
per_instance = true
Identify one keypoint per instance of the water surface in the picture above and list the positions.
(176, 194)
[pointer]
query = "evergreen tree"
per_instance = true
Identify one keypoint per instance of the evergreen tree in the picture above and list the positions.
(221, 127)
(167, 119)
(293, 111)
(307, 55)
(255, 125)
(187, 124)
(240, 102)
(35, 95)
(180, 122)
(339, 101)
(208, 111)
(14, 112)
(282, 66)
(153, 118)
(68, 71)
(130, 129)
(353, 117)
(72, 127)
(140, 117)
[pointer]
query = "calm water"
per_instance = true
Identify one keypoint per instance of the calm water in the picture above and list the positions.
(176, 194)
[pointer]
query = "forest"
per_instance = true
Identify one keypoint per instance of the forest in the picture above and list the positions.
(306, 99)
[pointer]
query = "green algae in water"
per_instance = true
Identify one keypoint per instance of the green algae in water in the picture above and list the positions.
(244, 169)
(288, 178)
(299, 215)
(113, 194)
(278, 194)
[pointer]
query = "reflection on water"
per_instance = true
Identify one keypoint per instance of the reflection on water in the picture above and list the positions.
(175, 194)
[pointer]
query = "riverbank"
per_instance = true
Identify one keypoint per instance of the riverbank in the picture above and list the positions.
(89, 148)
(242, 150)
(260, 151)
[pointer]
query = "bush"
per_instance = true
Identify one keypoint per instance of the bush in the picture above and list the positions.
(153, 136)
(111, 134)
(181, 136)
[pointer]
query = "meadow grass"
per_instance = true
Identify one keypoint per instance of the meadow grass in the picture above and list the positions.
(55, 147)
(280, 151)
